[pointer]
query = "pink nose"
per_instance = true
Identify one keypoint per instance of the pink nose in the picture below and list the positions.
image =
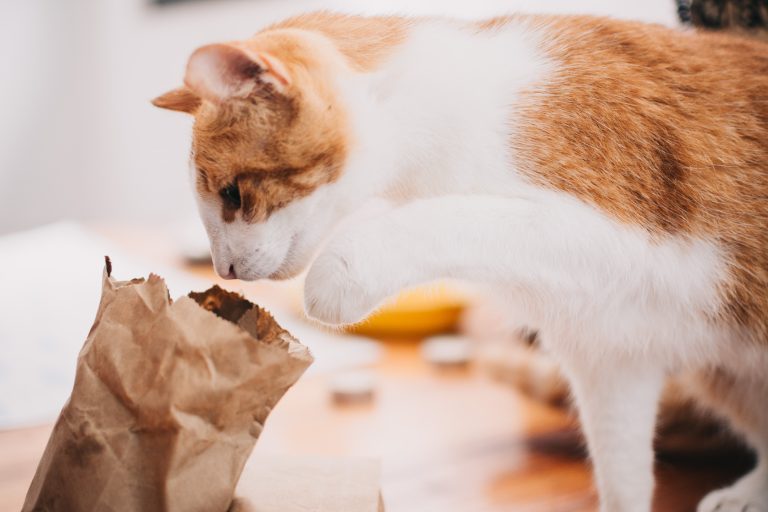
(231, 274)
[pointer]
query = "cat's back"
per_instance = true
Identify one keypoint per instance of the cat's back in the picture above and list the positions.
(644, 43)
(366, 41)
(663, 129)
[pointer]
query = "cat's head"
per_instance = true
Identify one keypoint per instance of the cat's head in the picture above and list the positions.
(270, 144)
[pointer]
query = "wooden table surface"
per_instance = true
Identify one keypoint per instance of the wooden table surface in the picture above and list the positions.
(448, 440)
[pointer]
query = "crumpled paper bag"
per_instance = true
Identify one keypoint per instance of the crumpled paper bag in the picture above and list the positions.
(169, 399)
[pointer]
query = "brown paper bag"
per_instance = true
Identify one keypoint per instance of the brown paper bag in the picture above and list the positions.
(169, 399)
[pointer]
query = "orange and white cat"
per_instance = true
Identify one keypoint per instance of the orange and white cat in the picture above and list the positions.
(609, 178)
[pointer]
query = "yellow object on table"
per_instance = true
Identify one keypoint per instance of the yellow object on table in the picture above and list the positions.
(417, 312)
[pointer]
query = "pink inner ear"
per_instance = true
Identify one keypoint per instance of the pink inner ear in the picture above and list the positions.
(221, 71)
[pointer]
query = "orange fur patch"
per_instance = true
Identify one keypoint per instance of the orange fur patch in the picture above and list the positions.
(365, 41)
(663, 129)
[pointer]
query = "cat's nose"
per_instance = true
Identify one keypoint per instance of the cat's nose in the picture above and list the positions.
(231, 274)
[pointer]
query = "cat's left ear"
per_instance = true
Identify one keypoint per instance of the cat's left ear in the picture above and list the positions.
(218, 72)
(180, 100)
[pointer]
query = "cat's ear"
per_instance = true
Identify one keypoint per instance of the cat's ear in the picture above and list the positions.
(180, 100)
(219, 72)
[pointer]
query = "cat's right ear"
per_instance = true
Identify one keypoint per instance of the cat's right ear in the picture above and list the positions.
(180, 100)
(219, 72)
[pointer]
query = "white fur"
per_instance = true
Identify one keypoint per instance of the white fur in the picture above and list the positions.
(618, 308)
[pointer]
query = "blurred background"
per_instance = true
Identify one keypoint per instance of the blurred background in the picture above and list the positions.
(78, 137)
(464, 412)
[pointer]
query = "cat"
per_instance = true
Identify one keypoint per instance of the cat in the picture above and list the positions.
(608, 178)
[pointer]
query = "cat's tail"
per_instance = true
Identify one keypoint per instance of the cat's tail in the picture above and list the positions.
(744, 16)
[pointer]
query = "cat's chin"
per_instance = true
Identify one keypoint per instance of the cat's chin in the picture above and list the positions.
(289, 269)
(284, 275)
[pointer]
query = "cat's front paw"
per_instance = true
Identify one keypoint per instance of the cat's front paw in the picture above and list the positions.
(336, 291)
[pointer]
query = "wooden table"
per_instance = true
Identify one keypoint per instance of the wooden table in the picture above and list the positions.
(448, 441)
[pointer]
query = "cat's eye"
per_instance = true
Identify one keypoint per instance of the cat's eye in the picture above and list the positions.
(231, 196)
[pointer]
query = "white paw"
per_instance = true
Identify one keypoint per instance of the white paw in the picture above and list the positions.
(336, 292)
(738, 498)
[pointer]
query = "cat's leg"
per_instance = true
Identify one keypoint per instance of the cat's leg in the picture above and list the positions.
(412, 244)
(470, 237)
(617, 406)
(555, 249)
(743, 400)
(550, 245)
